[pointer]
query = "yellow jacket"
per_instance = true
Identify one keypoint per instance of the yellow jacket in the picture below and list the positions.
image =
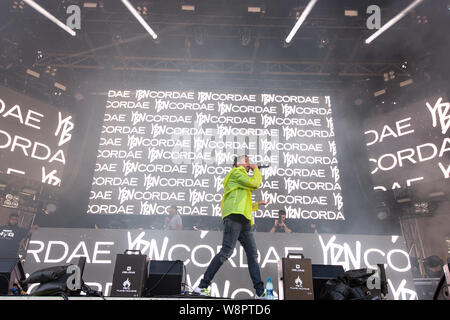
(237, 196)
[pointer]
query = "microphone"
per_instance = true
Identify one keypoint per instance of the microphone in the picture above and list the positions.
(261, 166)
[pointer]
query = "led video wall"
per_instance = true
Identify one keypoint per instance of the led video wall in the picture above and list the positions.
(162, 147)
(410, 145)
(34, 138)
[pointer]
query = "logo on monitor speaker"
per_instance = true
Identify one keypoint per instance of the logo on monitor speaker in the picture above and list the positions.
(298, 282)
(126, 284)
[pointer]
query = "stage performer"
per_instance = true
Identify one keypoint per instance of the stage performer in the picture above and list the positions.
(237, 207)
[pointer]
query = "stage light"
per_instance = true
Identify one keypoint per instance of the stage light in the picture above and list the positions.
(78, 96)
(379, 93)
(382, 215)
(254, 9)
(393, 21)
(50, 208)
(49, 16)
(17, 6)
(33, 73)
(142, 10)
(403, 197)
(11, 201)
(199, 35)
(139, 18)
(383, 203)
(60, 86)
(422, 19)
(351, 13)
(187, 7)
(358, 101)
(436, 194)
(29, 191)
(300, 20)
(421, 208)
(389, 75)
(406, 82)
(246, 36)
(40, 55)
(323, 42)
(403, 200)
(286, 44)
(405, 65)
(383, 211)
(51, 70)
(93, 4)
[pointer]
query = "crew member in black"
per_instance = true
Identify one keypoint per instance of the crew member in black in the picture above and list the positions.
(280, 224)
(11, 236)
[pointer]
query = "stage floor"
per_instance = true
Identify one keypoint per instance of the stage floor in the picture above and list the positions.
(111, 298)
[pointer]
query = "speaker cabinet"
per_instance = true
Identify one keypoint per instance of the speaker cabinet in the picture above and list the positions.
(129, 275)
(295, 278)
(321, 274)
(164, 278)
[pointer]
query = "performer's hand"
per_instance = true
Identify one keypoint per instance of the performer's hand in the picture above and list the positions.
(263, 202)
(253, 166)
(276, 223)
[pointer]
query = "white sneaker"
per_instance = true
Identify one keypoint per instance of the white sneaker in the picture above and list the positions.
(261, 297)
(202, 291)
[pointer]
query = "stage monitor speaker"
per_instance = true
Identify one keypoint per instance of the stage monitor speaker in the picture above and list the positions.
(129, 275)
(164, 278)
(442, 291)
(11, 275)
(295, 278)
(321, 274)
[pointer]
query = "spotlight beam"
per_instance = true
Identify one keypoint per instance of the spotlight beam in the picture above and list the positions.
(300, 20)
(139, 18)
(48, 15)
(393, 21)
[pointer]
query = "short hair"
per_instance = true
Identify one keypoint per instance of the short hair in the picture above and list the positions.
(241, 159)
(14, 214)
(281, 213)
